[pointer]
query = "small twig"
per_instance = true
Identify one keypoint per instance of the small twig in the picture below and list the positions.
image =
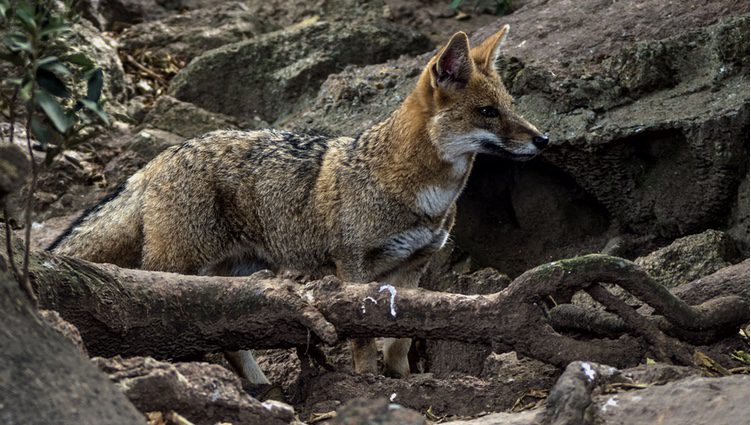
(9, 244)
(131, 60)
(22, 278)
(26, 279)
(177, 418)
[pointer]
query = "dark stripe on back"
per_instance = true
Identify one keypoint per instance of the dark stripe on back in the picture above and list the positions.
(78, 221)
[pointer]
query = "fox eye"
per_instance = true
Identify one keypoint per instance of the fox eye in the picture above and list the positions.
(489, 111)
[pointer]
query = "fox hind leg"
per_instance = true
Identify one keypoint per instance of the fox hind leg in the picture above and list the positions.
(243, 361)
(364, 355)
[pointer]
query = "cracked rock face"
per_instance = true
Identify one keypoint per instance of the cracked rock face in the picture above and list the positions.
(267, 76)
(690, 258)
(691, 400)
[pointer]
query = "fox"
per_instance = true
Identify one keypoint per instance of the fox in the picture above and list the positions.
(375, 207)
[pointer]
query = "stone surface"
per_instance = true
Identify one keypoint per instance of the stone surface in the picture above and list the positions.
(64, 328)
(189, 34)
(268, 75)
(694, 400)
(13, 170)
(201, 392)
(101, 49)
(528, 417)
(149, 142)
(738, 226)
(44, 379)
(690, 258)
(116, 14)
(185, 119)
(364, 411)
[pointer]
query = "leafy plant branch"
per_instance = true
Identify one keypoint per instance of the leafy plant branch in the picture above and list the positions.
(46, 80)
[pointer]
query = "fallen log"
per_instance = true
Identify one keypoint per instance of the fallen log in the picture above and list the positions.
(134, 312)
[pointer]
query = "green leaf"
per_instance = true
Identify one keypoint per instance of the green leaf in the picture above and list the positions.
(18, 42)
(97, 109)
(95, 85)
(40, 131)
(58, 68)
(26, 16)
(54, 111)
(47, 60)
(48, 81)
(79, 59)
(26, 86)
(4, 6)
(56, 25)
(456, 3)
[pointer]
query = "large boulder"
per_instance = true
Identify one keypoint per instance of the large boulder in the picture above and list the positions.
(690, 258)
(44, 379)
(647, 109)
(189, 34)
(693, 400)
(268, 75)
(101, 49)
(185, 119)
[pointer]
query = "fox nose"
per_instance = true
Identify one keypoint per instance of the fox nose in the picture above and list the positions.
(541, 141)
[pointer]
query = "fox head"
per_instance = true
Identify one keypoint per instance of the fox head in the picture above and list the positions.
(468, 106)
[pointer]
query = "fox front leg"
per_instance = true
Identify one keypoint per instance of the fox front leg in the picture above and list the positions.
(400, 262)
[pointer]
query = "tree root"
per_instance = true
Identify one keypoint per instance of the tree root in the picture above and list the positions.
(133, 312)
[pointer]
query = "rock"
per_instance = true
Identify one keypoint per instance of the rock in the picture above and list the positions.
(14, 166)
(483, 281)
(101, 49)
(694, 400)
(510, 367)
(363, 411)
(290, 12)
(185, 119)
(64, 328)
(116, 14)
(268, 75)
(738, 227)
(527, 417)
(358, 97)
(201, 392)
(44, 379)
(690, 258)
(149, 142)
(187, 35)
(731, 280)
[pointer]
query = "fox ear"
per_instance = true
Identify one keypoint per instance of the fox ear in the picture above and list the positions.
(487, 53)
(453, 66)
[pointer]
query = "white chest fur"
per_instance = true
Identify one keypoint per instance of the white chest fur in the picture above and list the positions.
(435, 200)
